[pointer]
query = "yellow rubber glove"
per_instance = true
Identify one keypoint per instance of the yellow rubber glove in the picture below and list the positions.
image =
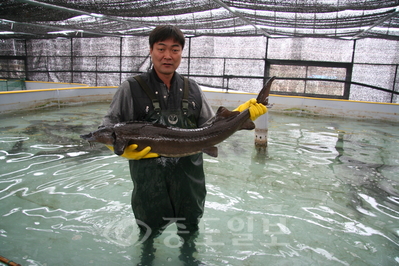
(255, 109)
(245, 105)
(131, 153)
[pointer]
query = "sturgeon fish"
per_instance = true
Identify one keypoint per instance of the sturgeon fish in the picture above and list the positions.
(178, 142)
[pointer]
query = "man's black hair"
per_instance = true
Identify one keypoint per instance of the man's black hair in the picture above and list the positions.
(162, 33)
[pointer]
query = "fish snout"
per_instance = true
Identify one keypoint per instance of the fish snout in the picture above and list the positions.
(118, 152)
(103, 135)
(87, 137)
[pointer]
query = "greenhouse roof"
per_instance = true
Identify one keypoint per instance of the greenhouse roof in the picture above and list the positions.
(342, 19)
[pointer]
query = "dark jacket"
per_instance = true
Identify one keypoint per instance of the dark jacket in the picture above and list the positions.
(124, 108)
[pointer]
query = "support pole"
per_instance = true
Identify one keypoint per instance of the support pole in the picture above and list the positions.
(261, 130)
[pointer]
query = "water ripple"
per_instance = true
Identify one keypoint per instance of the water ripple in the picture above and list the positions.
(6, 139)
(325, 193)
(380, 207)
(330, 219)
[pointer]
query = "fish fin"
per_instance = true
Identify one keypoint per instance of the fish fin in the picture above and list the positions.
(248, 125)
(211, 151)
(223, 113)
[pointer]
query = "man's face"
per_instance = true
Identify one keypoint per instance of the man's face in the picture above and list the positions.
(166, 56)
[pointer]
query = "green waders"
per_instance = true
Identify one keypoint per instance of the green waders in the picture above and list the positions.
(168, 190)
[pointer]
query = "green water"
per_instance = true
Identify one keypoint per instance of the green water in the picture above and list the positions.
(326, 193)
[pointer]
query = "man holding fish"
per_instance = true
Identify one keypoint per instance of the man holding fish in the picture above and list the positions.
(166, 189)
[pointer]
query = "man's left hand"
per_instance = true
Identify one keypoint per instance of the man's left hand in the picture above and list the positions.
(131, 152)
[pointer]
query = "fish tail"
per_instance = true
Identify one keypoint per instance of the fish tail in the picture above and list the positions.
(263, 96)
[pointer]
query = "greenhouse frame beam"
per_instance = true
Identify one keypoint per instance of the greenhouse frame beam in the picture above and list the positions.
(395, 13)
(79, 12)
(56, 28)
(228, 8)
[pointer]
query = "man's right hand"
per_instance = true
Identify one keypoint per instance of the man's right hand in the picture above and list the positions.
(255, 109)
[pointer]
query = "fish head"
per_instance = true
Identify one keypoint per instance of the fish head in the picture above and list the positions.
(103, 135)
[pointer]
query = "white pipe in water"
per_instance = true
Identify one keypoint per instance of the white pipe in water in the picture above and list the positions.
(261, 130)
